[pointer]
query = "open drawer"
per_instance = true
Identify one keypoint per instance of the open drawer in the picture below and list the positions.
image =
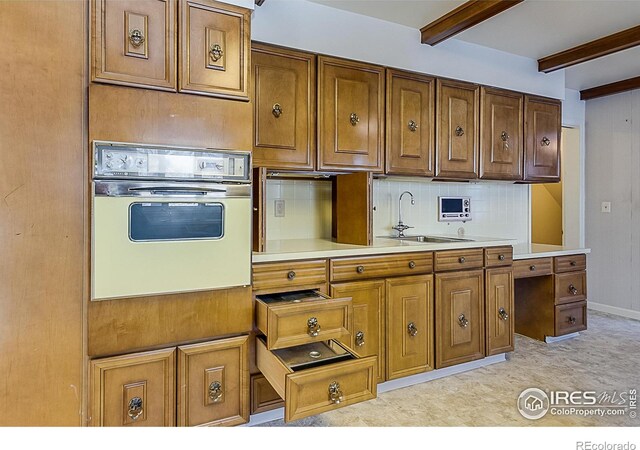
(301, 317)
(318, 377)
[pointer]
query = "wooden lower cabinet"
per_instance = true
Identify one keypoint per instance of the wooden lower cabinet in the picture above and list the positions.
(134, 390)
(213, 383)
(263, 396)
(499, 310)
(409, 326)
(459, 309)
(368, 332)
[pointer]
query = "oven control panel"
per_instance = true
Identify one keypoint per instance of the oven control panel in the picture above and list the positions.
(134, 161)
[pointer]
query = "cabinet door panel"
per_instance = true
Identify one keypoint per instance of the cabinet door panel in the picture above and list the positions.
(134, 43)
(456, 130)
(500, 309)
(409, 325)
(351, 102)
(410, 125)
(460, 317)
(543, 125)
(367, 335)
(214, 49)
(284, 108)
(501, 145)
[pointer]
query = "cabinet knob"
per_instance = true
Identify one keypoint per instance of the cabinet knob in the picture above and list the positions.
(313, 327)
(532, 268)
(136, 38)
(359, 338)
(412, 329)
(335, 393)
(215, 392)
(413, 126)
(360, 269)
(461, 260)
(463, 321)
(277, 110)
(503, 314)
(571, 320)
(501, 257)
(545, 142)
(504, 136)
(291, 275)
(573, 290)
(572, 263)
(412, 265)
(216, 52)
(354, 119)
(135, 408)
(459, 131)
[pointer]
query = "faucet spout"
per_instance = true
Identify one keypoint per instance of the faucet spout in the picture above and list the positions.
(401, 227)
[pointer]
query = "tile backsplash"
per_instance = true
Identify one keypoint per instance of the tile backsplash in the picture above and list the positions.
(500, 209)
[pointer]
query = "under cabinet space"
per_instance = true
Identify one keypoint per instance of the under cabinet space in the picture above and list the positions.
(318, 377)
(300, 317)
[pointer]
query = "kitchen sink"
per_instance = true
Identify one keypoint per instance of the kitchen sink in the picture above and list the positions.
(433, 239)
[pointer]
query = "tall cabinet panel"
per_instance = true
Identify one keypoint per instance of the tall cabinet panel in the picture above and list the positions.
(500, 309)
(350, 115)
(410, 131)
(500, 134)
(543, 125)
(284, 95)
(457, 129)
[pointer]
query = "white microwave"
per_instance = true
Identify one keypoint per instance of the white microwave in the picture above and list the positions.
(454, 209)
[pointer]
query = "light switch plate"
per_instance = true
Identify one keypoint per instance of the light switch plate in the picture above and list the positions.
(606, 207)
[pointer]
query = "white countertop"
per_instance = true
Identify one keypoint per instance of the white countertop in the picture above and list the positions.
(297, 249)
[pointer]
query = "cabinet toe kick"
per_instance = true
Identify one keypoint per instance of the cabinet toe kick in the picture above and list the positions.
(337, 378)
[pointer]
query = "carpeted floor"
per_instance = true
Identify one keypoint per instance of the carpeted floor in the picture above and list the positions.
(606, 357)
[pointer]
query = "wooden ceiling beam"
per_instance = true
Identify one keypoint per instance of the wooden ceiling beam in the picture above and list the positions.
(610, 89)
(462, 18)
(259, 2)
(591, 50)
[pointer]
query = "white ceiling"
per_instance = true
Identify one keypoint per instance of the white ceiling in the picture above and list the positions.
(534, 28)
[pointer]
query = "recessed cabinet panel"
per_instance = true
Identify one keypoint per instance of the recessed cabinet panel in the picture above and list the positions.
(350, 112)
(214, 49)
(501, 144)
(543, 125)
(284, 107)
(410, 131)
(500, 308)
(134, 43)
(457, 130)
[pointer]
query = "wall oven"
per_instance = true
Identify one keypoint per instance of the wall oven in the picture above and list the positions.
(168, 220)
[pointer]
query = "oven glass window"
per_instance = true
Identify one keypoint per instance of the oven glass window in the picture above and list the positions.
(175, 221)
(451, 205)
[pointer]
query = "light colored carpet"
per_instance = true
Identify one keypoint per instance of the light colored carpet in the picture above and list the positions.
(606, 357)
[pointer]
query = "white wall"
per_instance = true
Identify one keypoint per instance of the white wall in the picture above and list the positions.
(322, 29)
(613, 174)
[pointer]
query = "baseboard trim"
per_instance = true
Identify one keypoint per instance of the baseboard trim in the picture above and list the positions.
(400, 383)
(624, 312)
(552, 339)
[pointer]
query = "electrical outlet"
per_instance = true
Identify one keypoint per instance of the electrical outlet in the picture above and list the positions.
(279, 208)
(606, 207)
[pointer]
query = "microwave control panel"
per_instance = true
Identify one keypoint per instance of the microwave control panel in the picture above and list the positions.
(454, 209)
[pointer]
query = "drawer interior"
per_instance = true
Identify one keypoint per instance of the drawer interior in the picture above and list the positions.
(283, 298)
(315, 354)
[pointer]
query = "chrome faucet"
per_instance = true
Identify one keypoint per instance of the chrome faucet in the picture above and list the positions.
(401, 227)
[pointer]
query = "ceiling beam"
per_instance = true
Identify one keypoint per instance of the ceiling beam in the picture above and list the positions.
(462, 18)
(259, 2)
(591, 50)
(610, 89)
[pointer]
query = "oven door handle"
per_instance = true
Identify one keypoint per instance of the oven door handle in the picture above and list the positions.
(176, 190)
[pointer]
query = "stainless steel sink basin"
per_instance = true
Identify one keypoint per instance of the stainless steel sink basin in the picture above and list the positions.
(433, 239)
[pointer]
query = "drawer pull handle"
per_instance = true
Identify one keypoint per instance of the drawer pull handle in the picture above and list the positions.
(277, 110)
(354, 119)
(360, 269)
(459, 131)
(359, 338)
(216, 52)
(412, 265)
(461, 260)
(215, 392)
(291, 275)
(545, 141)
(572, 263)
(571, 320)
(573, 290)
(135, 408)
(313, 327)
(412, 329)
(335, 394)
(532, 268)
(503, 314)
(462, 321)
(413, 126)
(500, 257)
(136, 38)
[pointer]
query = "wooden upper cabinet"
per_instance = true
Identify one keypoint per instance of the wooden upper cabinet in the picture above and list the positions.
(501, 144)
(410, 128)
(284, 96)
(457, 129)
(350, 114)
(214, 49)
(543, 125)
(133, 43)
